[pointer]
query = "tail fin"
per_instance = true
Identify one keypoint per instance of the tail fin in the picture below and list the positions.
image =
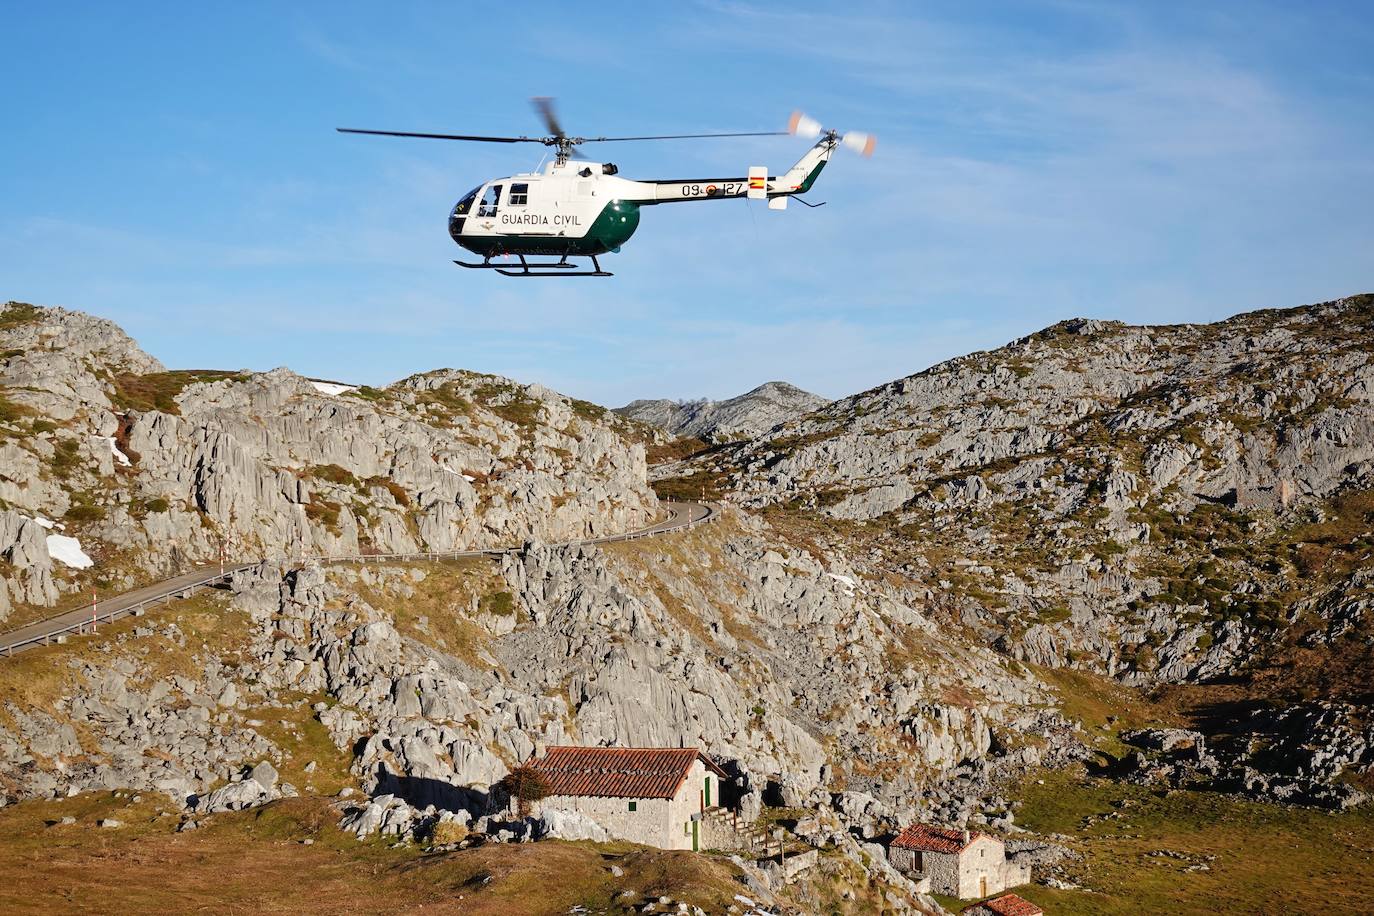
(800, 177)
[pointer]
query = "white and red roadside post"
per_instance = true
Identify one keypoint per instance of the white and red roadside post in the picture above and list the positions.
(93, 604)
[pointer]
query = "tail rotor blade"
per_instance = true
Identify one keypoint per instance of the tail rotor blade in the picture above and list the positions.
(802, 125)
(859, 143)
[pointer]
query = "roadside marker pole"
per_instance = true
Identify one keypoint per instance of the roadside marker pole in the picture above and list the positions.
(93, 602)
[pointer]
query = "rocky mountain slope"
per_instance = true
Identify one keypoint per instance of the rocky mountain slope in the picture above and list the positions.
(1141, 551)
(750, 414)
(1160, 504)
(152, 469)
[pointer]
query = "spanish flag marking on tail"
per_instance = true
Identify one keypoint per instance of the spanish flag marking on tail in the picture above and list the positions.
(758, 182)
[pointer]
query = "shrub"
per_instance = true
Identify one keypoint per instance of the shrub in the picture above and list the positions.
(156, 504)
(525, 784)
(41, 426)
(448, 832)
(84, 512)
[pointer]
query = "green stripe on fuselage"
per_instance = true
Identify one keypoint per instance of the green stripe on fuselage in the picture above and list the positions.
(613, 227)
(810, 179)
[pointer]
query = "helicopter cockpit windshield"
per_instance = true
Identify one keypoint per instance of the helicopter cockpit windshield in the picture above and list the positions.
(460, 212)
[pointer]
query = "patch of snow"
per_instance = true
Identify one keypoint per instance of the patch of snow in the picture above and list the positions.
(43, 522)
(119, 457)
(68, 550)
(468, 477)
(332, 388)
(848, 583)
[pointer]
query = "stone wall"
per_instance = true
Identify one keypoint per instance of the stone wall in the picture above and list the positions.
(650, 823)
(662, 822)
(985, 857)
(959, 875)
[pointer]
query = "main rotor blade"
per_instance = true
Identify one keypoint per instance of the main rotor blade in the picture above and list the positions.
(766, 133)
(403, 133)
(544, 105)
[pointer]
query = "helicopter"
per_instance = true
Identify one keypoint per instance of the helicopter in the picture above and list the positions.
(583, 209)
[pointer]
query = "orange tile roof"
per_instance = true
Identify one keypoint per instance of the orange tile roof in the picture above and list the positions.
(934, 839)
(1009, 905)
(620, 772)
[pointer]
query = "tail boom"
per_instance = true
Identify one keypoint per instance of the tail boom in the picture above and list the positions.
(796, 180)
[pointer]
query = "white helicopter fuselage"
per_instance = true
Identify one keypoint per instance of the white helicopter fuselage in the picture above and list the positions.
(575, 207)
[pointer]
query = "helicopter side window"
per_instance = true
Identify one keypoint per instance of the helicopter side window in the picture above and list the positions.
(519, 195)
(489, 201)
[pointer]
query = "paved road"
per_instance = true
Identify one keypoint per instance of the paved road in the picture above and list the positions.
(680, 516)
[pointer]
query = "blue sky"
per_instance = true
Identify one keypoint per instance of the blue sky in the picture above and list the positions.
(175, 168)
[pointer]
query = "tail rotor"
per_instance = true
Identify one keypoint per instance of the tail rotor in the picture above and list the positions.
(803, 125)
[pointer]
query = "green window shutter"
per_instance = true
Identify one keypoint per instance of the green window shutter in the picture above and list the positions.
(634, 806)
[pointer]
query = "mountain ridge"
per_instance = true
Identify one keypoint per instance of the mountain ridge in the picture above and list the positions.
(747, 415)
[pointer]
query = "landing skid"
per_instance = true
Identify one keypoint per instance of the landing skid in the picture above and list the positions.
(560, 268)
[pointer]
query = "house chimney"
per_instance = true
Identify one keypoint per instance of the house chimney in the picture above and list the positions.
(966, 837)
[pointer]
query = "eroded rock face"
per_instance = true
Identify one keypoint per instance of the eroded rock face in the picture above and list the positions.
(1298, 754)
(1097, 495)
(781, 668)
(155, 470)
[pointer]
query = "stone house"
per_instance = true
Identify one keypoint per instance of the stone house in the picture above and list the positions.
(957, 862)
(1005, 905)
(650, 795)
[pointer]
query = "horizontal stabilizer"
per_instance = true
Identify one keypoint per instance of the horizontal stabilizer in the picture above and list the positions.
(758, 182)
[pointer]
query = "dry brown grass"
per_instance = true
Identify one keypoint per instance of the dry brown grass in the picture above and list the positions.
(444, 598)
(254, 861)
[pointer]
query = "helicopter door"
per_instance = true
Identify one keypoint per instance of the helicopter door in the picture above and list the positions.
(490, 198)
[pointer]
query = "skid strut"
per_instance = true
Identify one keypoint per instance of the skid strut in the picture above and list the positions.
(560, 268)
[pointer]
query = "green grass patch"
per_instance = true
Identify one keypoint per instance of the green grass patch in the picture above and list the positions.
(367, 393)
(332, 473)
(11, 412)
(159, 390)
(1258, 857)
(324, 511)
(15, 314)
(502, 604)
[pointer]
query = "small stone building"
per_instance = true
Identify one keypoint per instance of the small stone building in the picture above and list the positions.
(650, 795)
(1005, 905)
(957, 862)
